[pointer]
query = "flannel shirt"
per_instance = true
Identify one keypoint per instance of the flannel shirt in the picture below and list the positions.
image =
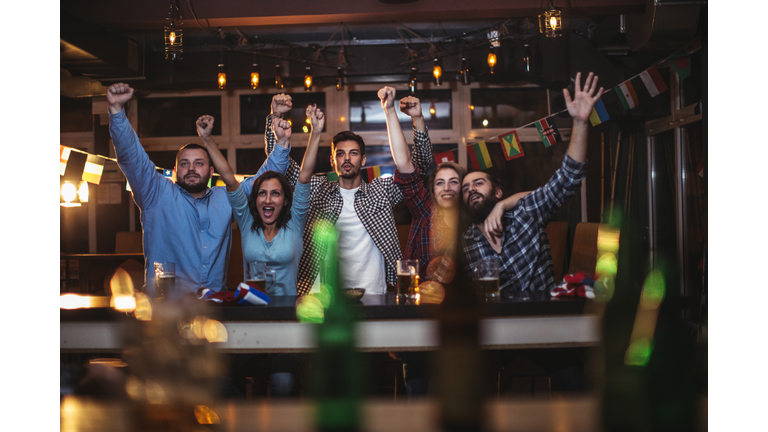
(525, 262)
(373, 203)
(417, 199)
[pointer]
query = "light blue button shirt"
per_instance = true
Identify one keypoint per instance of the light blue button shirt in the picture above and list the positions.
(194, 233)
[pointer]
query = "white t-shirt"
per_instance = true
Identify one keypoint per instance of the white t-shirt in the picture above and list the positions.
(361, 264)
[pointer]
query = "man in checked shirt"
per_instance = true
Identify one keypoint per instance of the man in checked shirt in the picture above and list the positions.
(517, 235)
(361, 211)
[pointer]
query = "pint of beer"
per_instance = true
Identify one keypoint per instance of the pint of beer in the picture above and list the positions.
(487, 278)
(256, 276)
(407, 270)
(165, 280)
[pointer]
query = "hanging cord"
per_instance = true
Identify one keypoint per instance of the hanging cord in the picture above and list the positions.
(432, 48)
(341, 59)
(189, 3)
(318, 56)
(410, 54)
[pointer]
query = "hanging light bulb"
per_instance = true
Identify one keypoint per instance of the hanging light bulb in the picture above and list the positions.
(255, 76)
(551, 21)
(339, 79)
(279, 77)
(492, 59)
(82, 193)
(68, 194)
(527, 58)
(308, 79)
(432, 110)
(464, 71)
(222, 77)
(173, 33)
(412, 81)
(437, 72)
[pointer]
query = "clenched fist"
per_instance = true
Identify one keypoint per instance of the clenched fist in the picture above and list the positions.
(117, 95)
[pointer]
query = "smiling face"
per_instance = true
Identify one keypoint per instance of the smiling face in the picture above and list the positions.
(447, 188)
(193, 169)
(347, 159)
(270, 200)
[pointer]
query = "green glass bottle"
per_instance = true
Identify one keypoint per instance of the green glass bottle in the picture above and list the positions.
(337, 369)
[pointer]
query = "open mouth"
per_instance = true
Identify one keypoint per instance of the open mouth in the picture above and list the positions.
(347, 166)
(475, 197)
(268, 212)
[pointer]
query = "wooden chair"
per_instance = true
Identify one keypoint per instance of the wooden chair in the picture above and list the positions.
(557, 234)
(584, 252)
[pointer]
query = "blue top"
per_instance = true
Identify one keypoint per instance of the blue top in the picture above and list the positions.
(196, 234)
(284, 251)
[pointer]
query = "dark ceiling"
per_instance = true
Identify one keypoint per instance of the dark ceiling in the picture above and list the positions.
(102, 42)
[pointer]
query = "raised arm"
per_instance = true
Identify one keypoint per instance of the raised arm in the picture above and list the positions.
(422, 146)
(397, 144)
(204, 126)
(281, 104)
(317, 121)
(147, 185)
(580, 107)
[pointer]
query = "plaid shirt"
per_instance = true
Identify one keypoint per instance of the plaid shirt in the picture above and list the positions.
(373, 203)
(525, 260)
(417, 199)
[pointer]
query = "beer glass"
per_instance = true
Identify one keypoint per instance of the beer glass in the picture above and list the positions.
(487, 278)
(406, 271)
(256, 276)
(165, 280)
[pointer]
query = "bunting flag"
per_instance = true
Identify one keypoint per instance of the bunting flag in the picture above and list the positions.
(510, 143)
(64, 152)
(444, 157)
(627, 95)
(168, 173)
(128, 187)
(599, 113)
(479, 156)
(94, 167)
(653, 81)
(682, 66)
(548, 132)
(372, 172)
(220, 182)
(332, 176)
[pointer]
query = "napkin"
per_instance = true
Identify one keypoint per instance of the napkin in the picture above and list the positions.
(579, 284)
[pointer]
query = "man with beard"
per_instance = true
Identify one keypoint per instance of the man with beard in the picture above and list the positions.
(517, 236)
(185, 222)
(361, 211)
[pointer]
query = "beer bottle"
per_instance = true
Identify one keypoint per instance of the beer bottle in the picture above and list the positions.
(337, 378)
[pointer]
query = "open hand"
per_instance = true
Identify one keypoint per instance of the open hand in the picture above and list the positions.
(583, 100)
(117, 96)
(281, 104)
(204, 126)
(282, 130)
(387, 96)
(410, 106)
(316, 118)
(492, 224)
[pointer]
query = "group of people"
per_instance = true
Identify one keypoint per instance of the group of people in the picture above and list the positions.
(280, 208)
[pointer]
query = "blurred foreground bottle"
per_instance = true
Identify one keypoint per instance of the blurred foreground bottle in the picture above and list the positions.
(460, 362)
(337, 378)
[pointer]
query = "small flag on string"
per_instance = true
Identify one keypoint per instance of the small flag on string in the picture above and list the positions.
(168, 173)
(64, 156)
(332, 176)
(510, 142)
(479, 156)
(444, 157)
(682, 66)
(220, 182)
(653, 81)
(94, 167)
(239, 177)
(372, 172)
(128, 186)
(599, 113)
(627, 95)
(548, 132)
